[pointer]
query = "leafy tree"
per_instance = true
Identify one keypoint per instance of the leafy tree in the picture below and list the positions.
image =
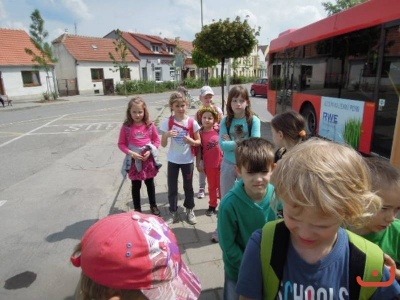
(119, 59)
(203, 61)
(226, 39)
(340, 5)
(44, 52)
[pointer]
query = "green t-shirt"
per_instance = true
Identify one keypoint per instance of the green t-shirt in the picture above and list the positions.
(388, 240)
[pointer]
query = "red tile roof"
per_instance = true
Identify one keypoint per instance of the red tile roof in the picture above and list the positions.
(84, 48)
(186, 46)
(12, 48)
(136, 40)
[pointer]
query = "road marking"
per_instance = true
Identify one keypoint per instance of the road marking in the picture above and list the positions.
(29, 132)
(2, 202)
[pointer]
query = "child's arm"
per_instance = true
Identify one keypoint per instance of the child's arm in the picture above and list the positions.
(225, 141)
(155, 137)
(196, 141)
(256, 127)
(199, 166)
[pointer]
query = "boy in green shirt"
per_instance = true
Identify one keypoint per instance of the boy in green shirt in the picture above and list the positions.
(246, 207)
(384, 228)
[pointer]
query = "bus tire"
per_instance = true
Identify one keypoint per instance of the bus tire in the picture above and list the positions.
(309, 115)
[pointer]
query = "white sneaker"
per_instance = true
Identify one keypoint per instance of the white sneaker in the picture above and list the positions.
(171, 218)
(191, 218)
(214, 236)
(201, 194)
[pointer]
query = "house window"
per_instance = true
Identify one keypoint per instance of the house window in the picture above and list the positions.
(30, 78)
(155, 48)
(276, 70)
(170, 49)
(97, 74)
(158, 74)
(125, 73)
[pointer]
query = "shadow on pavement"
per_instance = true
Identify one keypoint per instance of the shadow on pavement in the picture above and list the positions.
(74, 231)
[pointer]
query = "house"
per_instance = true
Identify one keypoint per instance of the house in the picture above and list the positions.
(156, 55)
(84, 65)
(189, 69)
(262, 52)
(20, 78)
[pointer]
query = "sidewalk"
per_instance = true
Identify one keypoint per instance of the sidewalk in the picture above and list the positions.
(202, 256)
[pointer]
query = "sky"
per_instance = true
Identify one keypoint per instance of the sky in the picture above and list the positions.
(166, 18)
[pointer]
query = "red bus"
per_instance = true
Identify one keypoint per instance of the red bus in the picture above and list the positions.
(341, 74)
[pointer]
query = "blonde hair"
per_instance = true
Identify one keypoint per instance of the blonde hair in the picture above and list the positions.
(177, 97)
(330, 177)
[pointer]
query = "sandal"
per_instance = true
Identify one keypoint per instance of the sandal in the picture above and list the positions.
(155, 210)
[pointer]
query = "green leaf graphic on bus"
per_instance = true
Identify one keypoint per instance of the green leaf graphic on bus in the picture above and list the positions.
(352, 132)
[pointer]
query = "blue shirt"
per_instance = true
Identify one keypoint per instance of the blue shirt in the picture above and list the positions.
(326, 279)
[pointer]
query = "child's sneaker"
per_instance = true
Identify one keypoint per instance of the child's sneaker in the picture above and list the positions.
(210, 211)
(191, 218)
(201, 194)
(214, 236)
(171, 218)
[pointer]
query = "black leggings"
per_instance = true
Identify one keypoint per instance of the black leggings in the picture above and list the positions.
(151, 192)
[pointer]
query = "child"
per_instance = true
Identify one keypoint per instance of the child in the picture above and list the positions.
(133, 256)
(288, 129)
(246, 207)
(211, 155)
(384, 229)
(180, 155)
(139, 139)
(323, 185)
(206, 98)
(240, 123)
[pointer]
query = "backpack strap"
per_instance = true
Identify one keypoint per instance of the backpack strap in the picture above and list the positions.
(274, 247)
(365, 257)
(190, 129)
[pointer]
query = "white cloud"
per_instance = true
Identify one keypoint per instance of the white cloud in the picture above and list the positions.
(79, 8)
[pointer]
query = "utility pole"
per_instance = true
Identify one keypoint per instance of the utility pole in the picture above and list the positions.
(201, 4)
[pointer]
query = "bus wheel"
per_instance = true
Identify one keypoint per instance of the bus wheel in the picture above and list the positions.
(308, 112)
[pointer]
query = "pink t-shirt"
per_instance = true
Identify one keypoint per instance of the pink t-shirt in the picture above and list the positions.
(138, 136)
(212, 153)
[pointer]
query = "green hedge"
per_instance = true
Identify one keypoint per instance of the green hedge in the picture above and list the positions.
(131, 87)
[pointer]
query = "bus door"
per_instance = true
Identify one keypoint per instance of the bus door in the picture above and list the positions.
(386, 95)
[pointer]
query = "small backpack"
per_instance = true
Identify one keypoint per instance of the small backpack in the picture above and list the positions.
(365, 257)
(171, 122)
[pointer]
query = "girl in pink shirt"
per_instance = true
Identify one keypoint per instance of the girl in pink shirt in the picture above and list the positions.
(211, 154)
(139, 140)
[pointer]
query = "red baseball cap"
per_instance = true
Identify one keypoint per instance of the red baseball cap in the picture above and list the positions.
(135, 251)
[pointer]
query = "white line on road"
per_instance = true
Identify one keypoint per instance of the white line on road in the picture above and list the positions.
(25, 134)
(2, 202)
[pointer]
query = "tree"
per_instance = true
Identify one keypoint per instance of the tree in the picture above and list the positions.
(340, 5)
(44, 55)
(203, 61)
(226, 39)
(119, 59)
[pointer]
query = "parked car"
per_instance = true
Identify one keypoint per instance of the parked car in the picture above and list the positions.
(259, 87)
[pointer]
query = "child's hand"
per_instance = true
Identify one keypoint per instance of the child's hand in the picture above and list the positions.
(226, 137)
(188, 140)
(172, 133)
(136, 156)
(200, 168)
(145, 155)
(389, 262)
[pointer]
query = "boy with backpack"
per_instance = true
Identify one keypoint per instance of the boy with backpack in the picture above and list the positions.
(309, 255)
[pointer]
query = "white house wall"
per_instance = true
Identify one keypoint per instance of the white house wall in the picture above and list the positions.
(14, 87)
(89, 87)
(65, 67)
